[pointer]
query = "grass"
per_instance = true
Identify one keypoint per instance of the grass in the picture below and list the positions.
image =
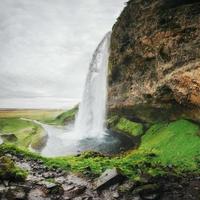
(177, 143)
(9, 171)
(36, 114)
(26, 132)
(164, 148)
(64, 117)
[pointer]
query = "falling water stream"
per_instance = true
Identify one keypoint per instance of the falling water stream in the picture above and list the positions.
(88, 132)
(91, 115)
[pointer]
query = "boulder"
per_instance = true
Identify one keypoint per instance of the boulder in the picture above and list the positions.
(37, 194)
(108, 178)
(10, 137)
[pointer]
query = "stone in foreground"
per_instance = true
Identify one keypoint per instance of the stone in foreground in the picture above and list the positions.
(108, 178)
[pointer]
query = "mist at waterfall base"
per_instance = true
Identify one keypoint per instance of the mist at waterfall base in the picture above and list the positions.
(89, 132)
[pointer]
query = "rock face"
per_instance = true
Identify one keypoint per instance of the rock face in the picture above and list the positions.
(155, 60)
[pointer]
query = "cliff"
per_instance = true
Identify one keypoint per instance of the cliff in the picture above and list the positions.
(154, 70)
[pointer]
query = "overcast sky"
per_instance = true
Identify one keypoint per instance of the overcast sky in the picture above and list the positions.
(46, 45)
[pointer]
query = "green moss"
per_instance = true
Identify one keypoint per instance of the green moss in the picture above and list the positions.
(165, 148)
(177, 143)
(8, 170)
(25, 132)
(65, 117)
(126, 126)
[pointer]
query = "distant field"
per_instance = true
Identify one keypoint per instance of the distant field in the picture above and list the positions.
(37, 114)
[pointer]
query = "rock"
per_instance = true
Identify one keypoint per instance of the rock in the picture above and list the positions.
(6, 183)
(136, 197)
(51, 188)
(66, 198)
(116, 195)
(148, 192)
(48, 175)
(34, 178)
(71, 178)
(37, 194)
(48, 185)
(154, 62)
(127, 186)
(146, 188)
(108, 178)
(1, 141)
(75, 192)
(24, 165)
(68, 187)
(60, 180)
(17, 193)
(3, 189)
(10, 137)
(150, 196)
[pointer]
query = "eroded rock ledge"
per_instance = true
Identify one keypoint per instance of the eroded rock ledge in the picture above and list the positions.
(154, 69)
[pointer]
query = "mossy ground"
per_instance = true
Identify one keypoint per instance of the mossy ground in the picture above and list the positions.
(165, 148)
(26, 132)
(64, 117)
(8, 170)
(126, 126)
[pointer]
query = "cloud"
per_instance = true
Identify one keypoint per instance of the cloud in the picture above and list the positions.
(46, 45)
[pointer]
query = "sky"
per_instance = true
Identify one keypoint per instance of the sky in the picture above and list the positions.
(46, 46)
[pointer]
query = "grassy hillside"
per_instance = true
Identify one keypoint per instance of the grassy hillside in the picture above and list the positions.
(21, 132)
(64, 117)
(165, 148)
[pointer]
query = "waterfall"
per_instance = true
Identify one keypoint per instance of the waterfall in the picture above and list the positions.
(90, 121)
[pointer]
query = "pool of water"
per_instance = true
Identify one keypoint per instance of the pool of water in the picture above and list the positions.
(62, 141)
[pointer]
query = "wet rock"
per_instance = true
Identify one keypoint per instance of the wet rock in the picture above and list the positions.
(16, 193)
(127, 186)
(48, 185)
(10, 137)
(48, 175)
(71, 178)
(37, 194)
(146, 188)
(75, 192)
(150, 196)
(3, 190)
(68, 187)
(6, 183)
(108, 178)
(33, 178)
(60, 180)
(148, 192)
(51, 188)
(24, 165)
(136, 197)
(116, 195)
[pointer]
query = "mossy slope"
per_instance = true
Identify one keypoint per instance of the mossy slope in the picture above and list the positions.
(8, 170)
(25, 132)
(64, 117)
(173, 147)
